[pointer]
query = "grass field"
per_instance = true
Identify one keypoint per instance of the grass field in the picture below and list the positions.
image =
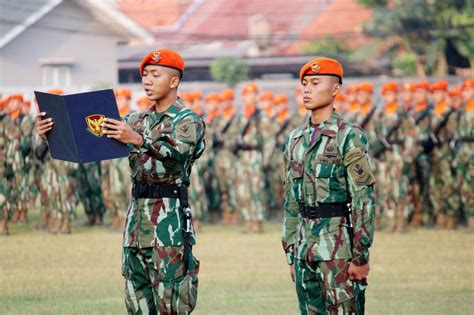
(420, 272)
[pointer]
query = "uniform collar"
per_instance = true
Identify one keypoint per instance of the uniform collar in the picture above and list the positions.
(327, 127)
(172, 111)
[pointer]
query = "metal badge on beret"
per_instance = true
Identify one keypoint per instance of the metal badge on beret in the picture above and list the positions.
(156, 56)
(316, 67)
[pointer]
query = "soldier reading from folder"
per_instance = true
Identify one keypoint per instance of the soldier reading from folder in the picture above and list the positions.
(158, 265)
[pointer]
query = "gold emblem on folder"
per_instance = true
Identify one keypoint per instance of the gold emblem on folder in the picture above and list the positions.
(94, 123)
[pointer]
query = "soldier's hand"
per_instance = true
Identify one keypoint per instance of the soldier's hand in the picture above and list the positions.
(358, 273)
(43, 126)
(292, 272)
(119, 130)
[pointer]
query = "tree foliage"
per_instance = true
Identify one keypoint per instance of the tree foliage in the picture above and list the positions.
(229, 70)
(425, 26)
(328, 45)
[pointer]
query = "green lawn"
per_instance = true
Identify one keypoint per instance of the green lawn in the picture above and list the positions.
(420, 272)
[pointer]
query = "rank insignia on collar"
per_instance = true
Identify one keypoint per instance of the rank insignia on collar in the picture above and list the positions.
(94, 123)
(316, 67)
(156, 56)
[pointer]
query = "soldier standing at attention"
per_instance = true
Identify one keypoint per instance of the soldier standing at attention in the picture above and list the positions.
(158, 264)
(328, 169)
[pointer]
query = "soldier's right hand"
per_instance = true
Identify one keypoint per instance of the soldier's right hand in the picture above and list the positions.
(43, 126)
(292, 272)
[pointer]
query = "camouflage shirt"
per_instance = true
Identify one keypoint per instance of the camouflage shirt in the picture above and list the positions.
(173, 140)
(326, 164)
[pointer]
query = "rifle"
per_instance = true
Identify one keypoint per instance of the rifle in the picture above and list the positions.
(280, 131)
(383, 144)
(367, 118)
(218, 139)
(432, 140)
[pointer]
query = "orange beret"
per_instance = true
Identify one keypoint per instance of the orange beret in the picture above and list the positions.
(368, 87)
(187, 97)
(27, 103)
(56, 91)
(227, 94)
(408, 86)
(250, 87)
(144, 101)
(468, 83)
(340, 97)
(280, 99)
(439, 86)
(455, 92)
(267, 96)
(389, 87)
(196, 95)
(213, 97)
(425, 85)
(351, 89)
(322, 66)
(16, 96)
(123, 92)
(165, 58)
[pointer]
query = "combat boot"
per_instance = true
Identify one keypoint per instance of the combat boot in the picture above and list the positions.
(54, 226)
(440, 221)
(99, 219)
(417, 219)
(43, 221)
(257, 227)
(248, 227)
(16, 216)
(451, 222)
(4, 227)
(65, 226)
(90, 220)
(234, 217)
(23, 217)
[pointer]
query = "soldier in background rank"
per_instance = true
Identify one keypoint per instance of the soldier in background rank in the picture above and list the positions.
(328, 166)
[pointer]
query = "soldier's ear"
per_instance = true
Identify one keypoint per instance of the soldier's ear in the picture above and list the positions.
(336, 89)
(174, 82)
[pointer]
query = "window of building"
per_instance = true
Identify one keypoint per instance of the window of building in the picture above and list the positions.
(56, 75)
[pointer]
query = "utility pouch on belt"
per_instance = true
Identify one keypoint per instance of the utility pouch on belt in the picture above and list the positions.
(143, 190)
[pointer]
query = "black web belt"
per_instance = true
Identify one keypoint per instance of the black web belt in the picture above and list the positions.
(144, 190)
(325, 210)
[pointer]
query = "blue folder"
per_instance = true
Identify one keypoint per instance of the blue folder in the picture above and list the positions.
(76, 135)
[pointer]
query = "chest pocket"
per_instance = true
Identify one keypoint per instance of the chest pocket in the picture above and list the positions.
(296, 169)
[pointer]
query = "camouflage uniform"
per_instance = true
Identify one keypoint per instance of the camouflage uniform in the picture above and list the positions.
(465, 162)
(444, 197)
(253, 153)
(328, 164)
(225, 163)
(3, 179)
(89, 191)
(153, 265)
(13, 164)
(42, 174)
(116, 187)
(207, 167)
(392, 193)
(27, 180)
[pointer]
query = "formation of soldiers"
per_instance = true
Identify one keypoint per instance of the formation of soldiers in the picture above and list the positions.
(420, 134)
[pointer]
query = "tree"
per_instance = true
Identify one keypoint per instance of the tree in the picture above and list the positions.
(229, 70)
(426, 28)
(328, 45)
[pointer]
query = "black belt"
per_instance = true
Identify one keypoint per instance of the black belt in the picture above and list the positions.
(245, 147)
(144, 190)
(325, 210)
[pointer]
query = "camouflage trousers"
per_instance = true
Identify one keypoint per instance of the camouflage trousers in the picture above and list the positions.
(465, 175)
(250, 186)
(155, 282)
(444, 195)
(197, 194)
(323, 287)
(226, 175)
